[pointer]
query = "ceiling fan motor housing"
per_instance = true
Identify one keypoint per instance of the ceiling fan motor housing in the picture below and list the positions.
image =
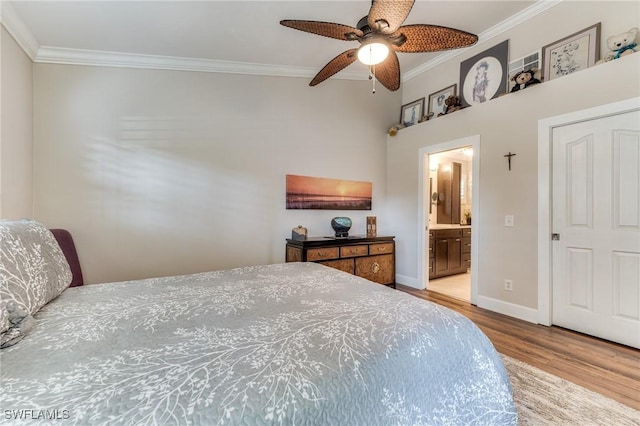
(363, 25)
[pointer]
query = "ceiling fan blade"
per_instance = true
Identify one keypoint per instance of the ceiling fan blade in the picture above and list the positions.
(432, 38)
(388, 72)
(335, 65)
(326, 29)
(386, 16)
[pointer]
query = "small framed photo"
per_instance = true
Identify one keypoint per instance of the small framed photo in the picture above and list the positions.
(485, 75)
(412, 112)
(571, 54)
(436, 100)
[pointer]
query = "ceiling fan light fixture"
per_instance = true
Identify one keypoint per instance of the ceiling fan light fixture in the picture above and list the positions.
(373, 51)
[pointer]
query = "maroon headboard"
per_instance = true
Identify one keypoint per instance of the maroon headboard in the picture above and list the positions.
(69, 249)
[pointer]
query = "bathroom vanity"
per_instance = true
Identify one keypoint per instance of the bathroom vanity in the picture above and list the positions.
(449, 250)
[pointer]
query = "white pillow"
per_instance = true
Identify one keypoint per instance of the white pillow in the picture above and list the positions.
(33, 271)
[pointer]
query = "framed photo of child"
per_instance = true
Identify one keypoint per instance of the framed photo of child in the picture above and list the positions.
(412, 112)
(436, 101)
(485, 75)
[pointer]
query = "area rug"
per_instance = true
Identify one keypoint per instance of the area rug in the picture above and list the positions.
(544, 399)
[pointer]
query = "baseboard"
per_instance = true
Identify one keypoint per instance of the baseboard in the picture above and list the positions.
(495, 305)
(510, 309)
(408, 281)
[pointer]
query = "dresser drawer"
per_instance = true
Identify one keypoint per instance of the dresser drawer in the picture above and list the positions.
(316, 254)
(466, 232)
(353, 251)
(345, 265)
(466, 259)
(384, 248)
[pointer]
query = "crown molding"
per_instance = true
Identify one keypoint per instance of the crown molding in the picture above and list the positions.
(18, 30)
(524, 15)
(58, 55)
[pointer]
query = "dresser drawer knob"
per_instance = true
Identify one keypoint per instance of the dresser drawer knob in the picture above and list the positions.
(375, 267)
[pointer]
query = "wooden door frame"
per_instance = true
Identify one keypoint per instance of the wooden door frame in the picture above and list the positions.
(545, 139)
(423, 207)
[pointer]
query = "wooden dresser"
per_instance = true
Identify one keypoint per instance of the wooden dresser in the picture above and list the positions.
(372, 258)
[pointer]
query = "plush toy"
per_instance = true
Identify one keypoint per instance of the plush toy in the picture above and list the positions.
(621, 45)
(452, 104)
(395, 128)
(524, 79)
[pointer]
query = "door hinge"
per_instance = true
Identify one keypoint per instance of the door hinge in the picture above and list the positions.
(555, 237)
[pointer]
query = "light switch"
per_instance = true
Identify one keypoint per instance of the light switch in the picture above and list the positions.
(508, 220)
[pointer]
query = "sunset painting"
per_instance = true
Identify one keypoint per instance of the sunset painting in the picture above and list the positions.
(304, 192)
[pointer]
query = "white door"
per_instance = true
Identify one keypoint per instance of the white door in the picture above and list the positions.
(596, 215)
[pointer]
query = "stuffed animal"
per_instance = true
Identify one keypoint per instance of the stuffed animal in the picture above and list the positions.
(524, 79)
(621, 45)
(395, 128)
(452, 104)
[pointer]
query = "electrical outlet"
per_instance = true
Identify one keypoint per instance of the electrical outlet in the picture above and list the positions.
(508, 285)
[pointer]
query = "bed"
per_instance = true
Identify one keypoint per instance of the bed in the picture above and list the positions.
(294, 343)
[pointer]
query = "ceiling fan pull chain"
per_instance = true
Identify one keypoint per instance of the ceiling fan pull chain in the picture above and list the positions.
(372, 77)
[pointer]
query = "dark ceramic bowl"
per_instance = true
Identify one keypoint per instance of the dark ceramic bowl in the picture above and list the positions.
(341, 226)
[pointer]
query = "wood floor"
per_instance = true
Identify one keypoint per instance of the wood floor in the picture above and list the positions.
(607, 368)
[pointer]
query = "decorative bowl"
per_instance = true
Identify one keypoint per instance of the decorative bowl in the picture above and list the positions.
(341, 226)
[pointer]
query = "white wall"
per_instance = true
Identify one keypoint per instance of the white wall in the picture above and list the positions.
(508, 123)
(16, 134)
(168, 172)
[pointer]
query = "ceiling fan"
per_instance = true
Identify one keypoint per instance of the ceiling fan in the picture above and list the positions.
(381, 35)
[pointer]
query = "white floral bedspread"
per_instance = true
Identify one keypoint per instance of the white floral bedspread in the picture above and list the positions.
(295, 343)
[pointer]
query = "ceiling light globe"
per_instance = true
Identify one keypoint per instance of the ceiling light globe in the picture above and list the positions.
(373, 53)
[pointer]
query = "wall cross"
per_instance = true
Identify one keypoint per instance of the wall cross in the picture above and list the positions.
(509, 155)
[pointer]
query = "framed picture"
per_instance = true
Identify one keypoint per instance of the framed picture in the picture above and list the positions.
(484, 76)
(436, 100)
(571, 54)
(308, 192)
(412, 113)
(526, 63)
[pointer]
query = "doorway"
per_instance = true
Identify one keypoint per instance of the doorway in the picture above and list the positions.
(448, 196)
